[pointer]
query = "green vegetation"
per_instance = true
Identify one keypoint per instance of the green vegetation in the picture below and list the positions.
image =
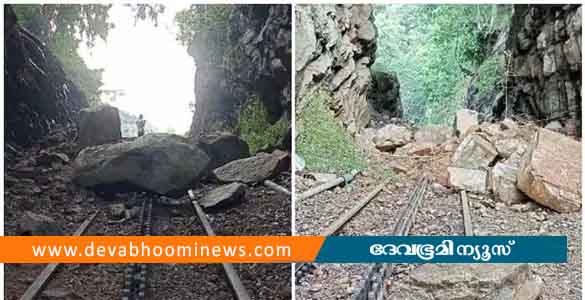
(490, 73)
(206, 23)
(255, 128)
(435, 49)
(62, 28)
(323, 143)
(147, 12)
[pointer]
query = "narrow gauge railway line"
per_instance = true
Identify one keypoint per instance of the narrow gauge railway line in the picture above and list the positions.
(135, 285)
(136, 275)
(305, 268)
(371, 284)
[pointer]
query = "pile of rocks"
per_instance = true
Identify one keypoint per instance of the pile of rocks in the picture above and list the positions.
(518, 163)
(513, 162)
(402, 138)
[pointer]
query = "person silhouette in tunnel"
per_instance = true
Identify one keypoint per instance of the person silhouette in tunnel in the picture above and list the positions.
(140, 125)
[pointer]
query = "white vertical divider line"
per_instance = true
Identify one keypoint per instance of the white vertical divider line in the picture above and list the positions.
(293, 143)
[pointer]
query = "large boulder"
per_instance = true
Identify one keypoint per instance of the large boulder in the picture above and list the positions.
(503, 183)
(224, 195)
(254, 169)
(475, 152)
(550, 172)
(223, 148)
(498, 131)
(391, 136)
(99, 125)
(507, 147)
(160, 163)
(468, 281)
(464, 120)
(468, 179)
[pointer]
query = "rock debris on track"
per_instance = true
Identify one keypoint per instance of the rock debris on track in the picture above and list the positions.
(265, 212)
(439, 214)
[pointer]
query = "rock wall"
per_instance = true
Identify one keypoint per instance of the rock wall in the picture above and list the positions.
(256, 64)
(545, 43)
(38, 95)
(544, 73)
(334, 48)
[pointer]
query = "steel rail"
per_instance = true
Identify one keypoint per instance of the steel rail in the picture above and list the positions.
(41, 281)
(372, 285)
(303, 268)
(467, 222)
(234, 279)
(327, 185)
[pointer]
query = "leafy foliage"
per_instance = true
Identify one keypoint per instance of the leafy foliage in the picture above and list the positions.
(206, 23)
(490, 73)
(323, 143)
(255, 128)
(63, 27)
(147, 11)
(72, 21)
(434, 49)
(87, 80)
(201, 18)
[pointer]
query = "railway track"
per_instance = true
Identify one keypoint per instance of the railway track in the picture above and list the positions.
(305, 268)
(371, 284)
(137, 214)
(136, 275)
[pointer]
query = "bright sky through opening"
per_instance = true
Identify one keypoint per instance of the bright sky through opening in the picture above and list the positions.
(150, 65)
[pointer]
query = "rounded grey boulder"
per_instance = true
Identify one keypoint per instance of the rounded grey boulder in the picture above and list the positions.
(161, 163)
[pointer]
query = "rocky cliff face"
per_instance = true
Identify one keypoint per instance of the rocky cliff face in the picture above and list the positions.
(335, 47)
(38, 95)
(545, 43)
(256, 64)
(544, 68)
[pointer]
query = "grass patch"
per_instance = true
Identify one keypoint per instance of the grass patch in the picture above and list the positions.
(256, 130)
(322, 142)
